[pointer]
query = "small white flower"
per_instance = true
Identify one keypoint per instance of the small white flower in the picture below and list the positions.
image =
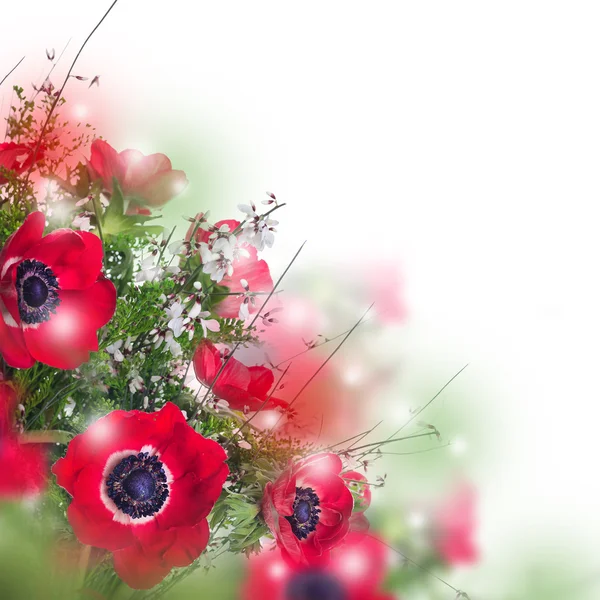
(69, 407)
(176, 247)
(148, 271)
(208, 324)
(136, 384)
(172, 344)
(177, 321)
(115, 350)
(244, 311)
(82, 222)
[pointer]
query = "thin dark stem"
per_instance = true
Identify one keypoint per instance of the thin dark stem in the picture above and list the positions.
(60, 92)
(9, 73)
(323, 364)
(391, 441)
(459, 593)
(428, 403)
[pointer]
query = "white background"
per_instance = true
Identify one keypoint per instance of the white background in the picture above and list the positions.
(460, 139)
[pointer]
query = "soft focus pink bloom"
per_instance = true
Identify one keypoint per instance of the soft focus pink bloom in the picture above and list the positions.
(17, 158)
(454, 525)
(148, 179)
(356, 571)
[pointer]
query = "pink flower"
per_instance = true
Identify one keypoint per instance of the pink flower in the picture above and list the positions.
(247, 269)
(146, 179)
(240, 386)
(356, 571)
(454, 527)
(16, 158)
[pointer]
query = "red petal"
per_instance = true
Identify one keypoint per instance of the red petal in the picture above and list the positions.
(21, 240)
(207, 362)
(138, 569)
(65, 341)
(12, 345)
(104, 164)
(256, 273)
(92, 522)
(261, 381)
(189, 544)
(23, 468)
(74, 257)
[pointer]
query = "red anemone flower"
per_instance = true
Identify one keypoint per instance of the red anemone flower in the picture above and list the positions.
(142, 486)
(356, 571)
(53, 296)
(246, 267)
(150, 180)
(308, 509)
(23, 465)
(16, 158)
(240, 386)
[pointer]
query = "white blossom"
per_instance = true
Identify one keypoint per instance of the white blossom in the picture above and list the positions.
(136, 384)
(82, 222)
(115, 350)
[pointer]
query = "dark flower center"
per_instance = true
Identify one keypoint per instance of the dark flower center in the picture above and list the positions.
(306, 513)
(138, 485)
(37, 292)
(314, 585)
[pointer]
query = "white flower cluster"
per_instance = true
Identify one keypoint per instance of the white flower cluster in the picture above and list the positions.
(220, 252)
(257, 230)
(151, 268)
(180, 320)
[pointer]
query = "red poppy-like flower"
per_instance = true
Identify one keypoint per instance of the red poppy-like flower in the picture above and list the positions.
(240, 386)
(16, 158)
(453, 528)
(356, 571)
(23, 465)
(308, 508)
(53, 296)
(149, 180)
(246, 266)
(142, 486)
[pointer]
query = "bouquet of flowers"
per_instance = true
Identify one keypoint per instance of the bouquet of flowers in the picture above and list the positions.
(132, 417)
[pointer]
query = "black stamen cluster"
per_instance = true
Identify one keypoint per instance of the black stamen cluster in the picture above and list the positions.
(138, 485)
(306, 513)
(37, 292)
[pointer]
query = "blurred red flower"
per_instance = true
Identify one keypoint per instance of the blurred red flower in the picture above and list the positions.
(356, 571)
(308, 509)
(149, 180)
(16, 158)
(23, 465)
(53, 296)
(142, 486)
(454, 525)
(240, 386)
